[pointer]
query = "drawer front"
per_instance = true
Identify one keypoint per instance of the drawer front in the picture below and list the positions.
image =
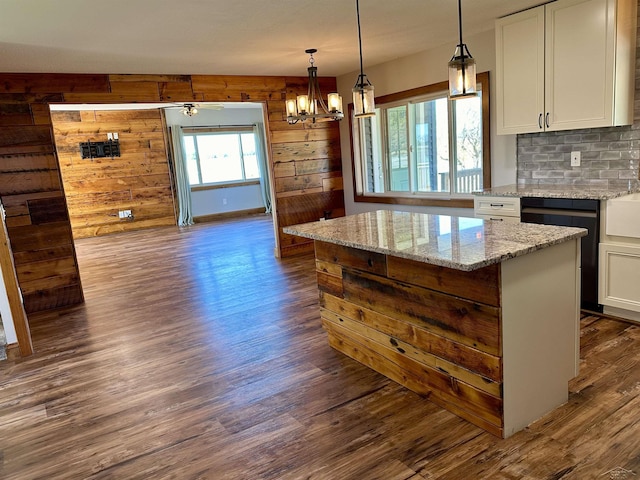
(498, 218)
(501, 206)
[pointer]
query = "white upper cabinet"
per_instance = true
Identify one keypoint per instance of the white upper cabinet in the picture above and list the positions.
(566, 65)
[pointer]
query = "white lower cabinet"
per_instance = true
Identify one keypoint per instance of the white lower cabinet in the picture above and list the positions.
(620, 276)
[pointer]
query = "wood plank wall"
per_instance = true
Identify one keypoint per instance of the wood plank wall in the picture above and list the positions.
(97, 189)
(307, 188)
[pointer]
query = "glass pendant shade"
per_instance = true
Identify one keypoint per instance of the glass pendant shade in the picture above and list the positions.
(462, 73)
(363, 98)
(334, 102)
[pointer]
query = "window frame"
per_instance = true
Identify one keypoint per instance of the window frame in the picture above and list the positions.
(427, 198)
(195, 131)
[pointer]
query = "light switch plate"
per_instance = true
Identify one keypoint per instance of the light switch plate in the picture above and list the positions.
(575, 159)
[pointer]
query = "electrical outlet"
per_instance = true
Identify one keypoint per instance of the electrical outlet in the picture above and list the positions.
(115, 135)
(575, 159)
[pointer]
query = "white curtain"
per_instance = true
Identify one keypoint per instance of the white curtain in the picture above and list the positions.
(183, 188)
(258, 131)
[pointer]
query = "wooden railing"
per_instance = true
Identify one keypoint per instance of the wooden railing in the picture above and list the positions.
(467, 181)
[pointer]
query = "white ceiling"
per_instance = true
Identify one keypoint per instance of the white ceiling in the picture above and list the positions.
(229, 37)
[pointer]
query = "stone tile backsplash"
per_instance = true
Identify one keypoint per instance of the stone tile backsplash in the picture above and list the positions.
(610, 156)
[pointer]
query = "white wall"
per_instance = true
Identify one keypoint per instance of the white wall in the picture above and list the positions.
(426, 68)
(222, 200)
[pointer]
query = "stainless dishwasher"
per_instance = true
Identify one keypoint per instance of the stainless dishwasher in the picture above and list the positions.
(567, 212)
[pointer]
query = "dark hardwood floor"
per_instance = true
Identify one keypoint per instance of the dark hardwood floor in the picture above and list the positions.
(198, 355)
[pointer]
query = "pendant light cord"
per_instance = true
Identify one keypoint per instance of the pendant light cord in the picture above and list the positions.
(359, 40)
(460, 23)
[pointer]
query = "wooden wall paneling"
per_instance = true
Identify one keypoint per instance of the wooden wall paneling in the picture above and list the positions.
(19, 139)
(303, 208)
(329, 149)
(138, 180)
(33, 138)
(53, 83)
(15, 114)
(237, 88)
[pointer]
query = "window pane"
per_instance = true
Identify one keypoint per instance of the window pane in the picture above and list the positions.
(251, 169)
(369, 151)
(397, 149)
(220, 159)
(431, 130)
(468, 135)
(192, 160)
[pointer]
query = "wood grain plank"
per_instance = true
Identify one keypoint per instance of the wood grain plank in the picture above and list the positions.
(35, 83)
(473, 324)
(363, 260)
(474, 360)
(480, 285)
(415, 353)
(463, 400)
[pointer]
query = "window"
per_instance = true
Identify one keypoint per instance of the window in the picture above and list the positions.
(218, 156)
(423, 148)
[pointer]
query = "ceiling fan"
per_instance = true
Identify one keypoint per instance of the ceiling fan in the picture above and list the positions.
(191, 109)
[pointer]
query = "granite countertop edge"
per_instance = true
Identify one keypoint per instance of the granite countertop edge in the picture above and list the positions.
(577, 192)
(466, 267)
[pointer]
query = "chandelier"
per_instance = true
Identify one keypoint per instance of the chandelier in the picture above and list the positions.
(311, 106)
(462, 68)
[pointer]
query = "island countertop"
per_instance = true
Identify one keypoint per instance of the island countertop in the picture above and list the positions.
(460, 243)
(570, 191)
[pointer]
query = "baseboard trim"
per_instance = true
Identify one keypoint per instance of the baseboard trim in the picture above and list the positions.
(225, 215)
(13, 351)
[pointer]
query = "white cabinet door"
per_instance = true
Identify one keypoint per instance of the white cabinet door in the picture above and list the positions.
(579, 63)
(520, 72)
(620, 276)
(566, 65)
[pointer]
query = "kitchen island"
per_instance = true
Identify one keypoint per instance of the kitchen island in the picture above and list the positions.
(482, 318)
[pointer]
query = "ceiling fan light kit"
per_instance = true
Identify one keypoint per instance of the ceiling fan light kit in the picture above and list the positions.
(189, 110)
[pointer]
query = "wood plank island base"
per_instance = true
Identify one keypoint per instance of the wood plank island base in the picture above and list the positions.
(480, 317)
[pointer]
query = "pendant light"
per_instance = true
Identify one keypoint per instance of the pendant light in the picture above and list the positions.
(462, 68)
(363, 99)
(311, 106)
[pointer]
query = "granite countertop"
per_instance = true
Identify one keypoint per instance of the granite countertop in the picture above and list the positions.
(462, 243)
(589, 192)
